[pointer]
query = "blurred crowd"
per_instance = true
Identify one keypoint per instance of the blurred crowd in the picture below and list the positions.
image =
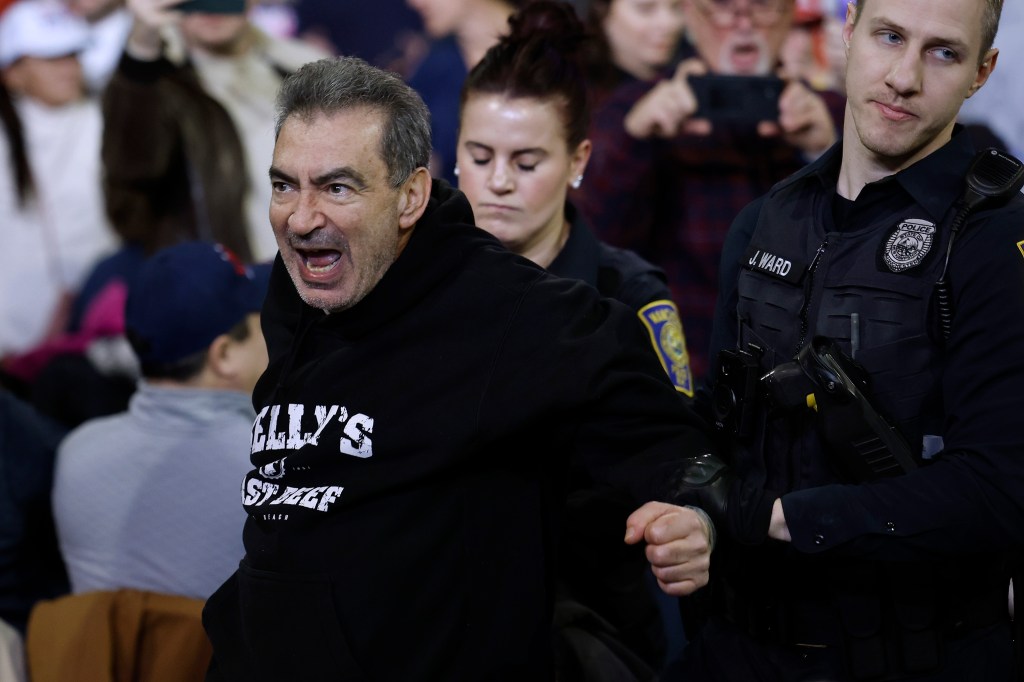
(135, 140)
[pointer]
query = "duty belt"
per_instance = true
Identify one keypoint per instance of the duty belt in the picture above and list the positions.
(889, 620)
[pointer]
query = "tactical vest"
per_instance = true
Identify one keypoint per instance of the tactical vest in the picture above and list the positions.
(869, 289)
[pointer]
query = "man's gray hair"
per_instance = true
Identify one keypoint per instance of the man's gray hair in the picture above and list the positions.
(331, 86)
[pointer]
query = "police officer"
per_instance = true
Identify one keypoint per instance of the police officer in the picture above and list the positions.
(522, 144)
(836, 569)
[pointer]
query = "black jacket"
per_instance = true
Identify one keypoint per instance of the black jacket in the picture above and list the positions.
(411, 452)
(902, 562)
(967, 500)
(605, 609)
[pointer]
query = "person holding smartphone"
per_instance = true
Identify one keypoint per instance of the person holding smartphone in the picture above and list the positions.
(188, 116)
(665, 180)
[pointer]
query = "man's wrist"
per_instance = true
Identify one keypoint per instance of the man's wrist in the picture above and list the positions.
(709, 526)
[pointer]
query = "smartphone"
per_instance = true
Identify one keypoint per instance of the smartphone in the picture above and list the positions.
(743, 99)
(213, 6)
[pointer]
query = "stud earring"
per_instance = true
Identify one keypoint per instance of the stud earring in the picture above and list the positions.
(456, 171)
(577, 181)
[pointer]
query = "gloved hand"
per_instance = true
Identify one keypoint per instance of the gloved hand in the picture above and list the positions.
(740, 511)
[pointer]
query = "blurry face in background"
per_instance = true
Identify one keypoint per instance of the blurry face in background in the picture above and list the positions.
(515, 168)
(53, 82)
(216, 33)
(93, 10)
(738, 36)
(797, 52)
(643, 34)
(440, 17)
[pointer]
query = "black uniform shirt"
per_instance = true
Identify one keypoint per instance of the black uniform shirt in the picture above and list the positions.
(626, 277)
(969, 499)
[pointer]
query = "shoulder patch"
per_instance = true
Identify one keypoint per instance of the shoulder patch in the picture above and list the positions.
(908, 244)
(662, 321)
(1020, 247)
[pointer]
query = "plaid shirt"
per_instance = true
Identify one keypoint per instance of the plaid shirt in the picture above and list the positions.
(672, 201)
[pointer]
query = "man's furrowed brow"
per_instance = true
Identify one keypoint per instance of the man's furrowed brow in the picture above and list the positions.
(345, 174)
(280, 175)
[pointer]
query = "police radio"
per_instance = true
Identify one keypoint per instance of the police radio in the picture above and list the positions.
(993, 175)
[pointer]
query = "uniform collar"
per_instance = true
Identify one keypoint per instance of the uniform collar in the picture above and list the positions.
(580, 256)
(823, 170)
(935, 182)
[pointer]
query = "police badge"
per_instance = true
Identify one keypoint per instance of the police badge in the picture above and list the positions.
(909, 244)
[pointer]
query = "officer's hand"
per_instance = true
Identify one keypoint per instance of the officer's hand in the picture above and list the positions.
(738, 510)
(705, 481)
(666, 109)
(678, 545)
(804, 120)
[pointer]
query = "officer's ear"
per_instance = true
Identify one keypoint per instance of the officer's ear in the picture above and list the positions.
(849, 24)
(578, 162)
(412, 198)
(985, 69)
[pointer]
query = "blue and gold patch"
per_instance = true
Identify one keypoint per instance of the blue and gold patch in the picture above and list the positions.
(1020, 247)
(662, 321)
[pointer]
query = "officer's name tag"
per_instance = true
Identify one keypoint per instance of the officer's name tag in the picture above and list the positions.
(773, 265)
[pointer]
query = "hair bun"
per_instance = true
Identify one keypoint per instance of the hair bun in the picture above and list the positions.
(541, 57)
(553, 22)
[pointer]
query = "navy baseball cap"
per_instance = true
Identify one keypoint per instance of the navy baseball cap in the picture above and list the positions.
(187, 295)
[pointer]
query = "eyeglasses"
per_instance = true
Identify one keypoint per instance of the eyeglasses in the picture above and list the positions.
(723, 13)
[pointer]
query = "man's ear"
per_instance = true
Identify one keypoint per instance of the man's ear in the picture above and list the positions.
(985, 69)
(413, 196)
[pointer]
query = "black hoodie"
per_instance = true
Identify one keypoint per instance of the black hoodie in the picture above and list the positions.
(410, 455)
